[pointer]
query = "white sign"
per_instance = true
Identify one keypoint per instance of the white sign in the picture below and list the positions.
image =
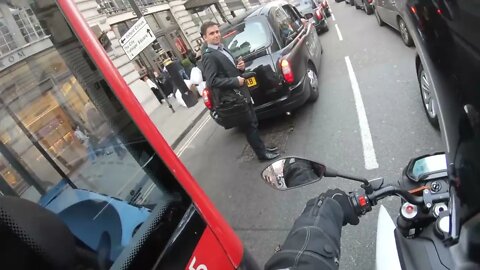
(137, 38)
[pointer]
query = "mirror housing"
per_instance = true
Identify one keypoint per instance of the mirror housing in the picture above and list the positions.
(292, 172)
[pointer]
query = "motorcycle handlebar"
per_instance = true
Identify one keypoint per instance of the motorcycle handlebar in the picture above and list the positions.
(363, 203)
(407, 196)
(394, 190)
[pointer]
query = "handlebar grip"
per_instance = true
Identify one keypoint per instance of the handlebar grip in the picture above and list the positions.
(360, 202)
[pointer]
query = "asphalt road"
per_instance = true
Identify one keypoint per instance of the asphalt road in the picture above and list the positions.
(328, 131)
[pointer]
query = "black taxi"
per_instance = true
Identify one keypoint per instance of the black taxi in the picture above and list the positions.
(283, 50)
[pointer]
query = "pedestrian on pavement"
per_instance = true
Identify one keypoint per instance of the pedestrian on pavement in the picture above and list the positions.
(187, 66)
(223, 77)
(192, 57)
(153, 87)
(85, 141)
(180, 68)
(167, 84)
(102, 131)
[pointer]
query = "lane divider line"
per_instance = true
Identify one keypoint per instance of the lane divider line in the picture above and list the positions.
(195, 133)
(338, 33)
(333, 17)
(367, 142)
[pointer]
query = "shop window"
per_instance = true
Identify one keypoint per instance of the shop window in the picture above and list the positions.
(27, 23)
(6, 39)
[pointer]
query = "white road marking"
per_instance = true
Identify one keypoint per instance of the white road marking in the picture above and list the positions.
(179, 153)
(368, 150)
(338, 33)
(333, 17)
(147, 193)
(195, 133)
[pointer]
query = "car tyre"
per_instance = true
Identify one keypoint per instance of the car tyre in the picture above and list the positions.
(356, 6)
(368, 8)
(379, 20)
(352, 2)
(325, 29)
(406, 37)
(428, 99)
(313, 80)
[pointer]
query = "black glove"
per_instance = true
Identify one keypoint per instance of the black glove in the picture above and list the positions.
(338, 195)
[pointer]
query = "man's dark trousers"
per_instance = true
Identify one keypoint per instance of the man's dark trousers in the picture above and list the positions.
(251, 131)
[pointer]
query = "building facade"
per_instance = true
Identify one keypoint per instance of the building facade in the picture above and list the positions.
(176, 29)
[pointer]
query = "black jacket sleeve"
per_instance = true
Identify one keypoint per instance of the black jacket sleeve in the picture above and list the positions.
(314, 241)
(215, 78)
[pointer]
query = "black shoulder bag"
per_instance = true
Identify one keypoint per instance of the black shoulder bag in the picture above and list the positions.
(232, 109)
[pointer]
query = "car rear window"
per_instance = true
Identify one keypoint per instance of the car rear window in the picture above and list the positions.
(246, 38)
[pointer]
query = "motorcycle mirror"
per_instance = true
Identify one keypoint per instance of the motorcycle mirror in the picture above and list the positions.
(427, 167)
(292, 172)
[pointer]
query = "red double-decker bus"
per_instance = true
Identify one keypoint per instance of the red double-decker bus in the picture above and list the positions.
(76, 142)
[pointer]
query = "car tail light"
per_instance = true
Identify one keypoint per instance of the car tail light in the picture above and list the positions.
(413, 9)
(319, 14)
(287, 71)
(207, 98)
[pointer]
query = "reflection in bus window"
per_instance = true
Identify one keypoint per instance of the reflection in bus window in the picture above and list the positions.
(66, 142)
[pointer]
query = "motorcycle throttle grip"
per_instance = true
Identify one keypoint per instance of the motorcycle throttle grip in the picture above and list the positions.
(360, 202)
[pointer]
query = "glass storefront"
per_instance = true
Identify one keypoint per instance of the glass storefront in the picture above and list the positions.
(65, 140)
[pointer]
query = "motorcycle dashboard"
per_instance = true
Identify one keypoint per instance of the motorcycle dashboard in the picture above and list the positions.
(427, 168)
(429, 171)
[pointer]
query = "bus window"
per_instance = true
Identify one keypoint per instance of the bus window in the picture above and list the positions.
(66, 142)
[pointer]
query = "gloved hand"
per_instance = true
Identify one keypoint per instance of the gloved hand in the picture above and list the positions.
(342, 198)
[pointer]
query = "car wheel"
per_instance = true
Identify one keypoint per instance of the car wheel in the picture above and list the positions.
(428, 98)
(407, 39)
(356, 6)
(325, 29)
(313, 80)
(368, 8)
(379, 20)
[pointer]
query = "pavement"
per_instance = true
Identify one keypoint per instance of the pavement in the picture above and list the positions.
(175, 126)
(329, 131)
